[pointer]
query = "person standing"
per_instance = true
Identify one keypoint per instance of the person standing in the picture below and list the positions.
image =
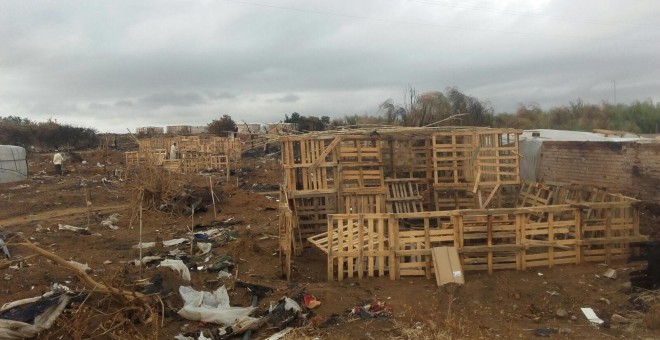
(173, 151)
(57, 160)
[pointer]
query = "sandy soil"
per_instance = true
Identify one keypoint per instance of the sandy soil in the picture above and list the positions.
(507, 304)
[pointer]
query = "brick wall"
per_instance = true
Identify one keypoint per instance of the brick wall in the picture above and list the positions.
(629, 168)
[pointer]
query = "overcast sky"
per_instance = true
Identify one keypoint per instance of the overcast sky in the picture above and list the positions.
(114, 65)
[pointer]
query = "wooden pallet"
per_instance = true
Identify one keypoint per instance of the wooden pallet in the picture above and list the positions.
(403, 196)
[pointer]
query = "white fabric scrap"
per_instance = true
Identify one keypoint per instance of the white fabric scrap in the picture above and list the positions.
(174, 242)
(110, 221)
(168, 243)
(591, 316)
(204, 247)
(70, 227)
(210, 306)
(177, 265)
(79, 266)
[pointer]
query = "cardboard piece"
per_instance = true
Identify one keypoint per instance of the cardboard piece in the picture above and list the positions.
(447, 265)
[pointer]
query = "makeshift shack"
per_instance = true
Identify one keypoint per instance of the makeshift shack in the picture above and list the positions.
(195, 153)
(378, 200)
(13, 164)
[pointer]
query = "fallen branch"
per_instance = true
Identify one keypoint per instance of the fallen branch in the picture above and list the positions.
(96, 286)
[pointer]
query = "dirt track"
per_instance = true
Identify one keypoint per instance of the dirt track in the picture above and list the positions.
(44, 215)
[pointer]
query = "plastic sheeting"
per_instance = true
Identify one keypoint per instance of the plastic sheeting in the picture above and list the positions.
(13, 164)
(211, 306)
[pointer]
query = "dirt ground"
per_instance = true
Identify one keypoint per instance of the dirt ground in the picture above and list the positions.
(507, 304)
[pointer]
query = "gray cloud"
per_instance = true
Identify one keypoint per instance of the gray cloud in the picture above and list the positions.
(153, 62)
(124, 103)
(162, 99)
(223, 95)
(288, 98)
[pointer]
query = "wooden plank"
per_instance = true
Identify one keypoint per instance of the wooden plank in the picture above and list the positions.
(447, 266)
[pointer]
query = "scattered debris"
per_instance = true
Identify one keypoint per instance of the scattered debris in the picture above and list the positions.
(146, 260)
(210, 306)
(280, 334)
(77, 230)
(5, 250)
(28, 317)
(610, 274)
(110, 221)
(204, 247)
(561, 313)
(545, 331)
(311, 302)
(80, 266)
(224, 275)
(258, 290)
(168, 243)
(177, 265)
(591, 316)
(375, 309)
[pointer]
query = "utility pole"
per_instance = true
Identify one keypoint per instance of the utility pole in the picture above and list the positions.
(614, 86)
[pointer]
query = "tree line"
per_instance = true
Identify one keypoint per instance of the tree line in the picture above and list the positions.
(453, 107)
(48, 134)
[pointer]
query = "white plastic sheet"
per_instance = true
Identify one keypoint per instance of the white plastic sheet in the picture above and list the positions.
(177, 265)
(210, 306)
(10, 329)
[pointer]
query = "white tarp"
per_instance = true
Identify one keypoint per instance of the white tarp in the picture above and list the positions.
(13, 164)
(530, 145)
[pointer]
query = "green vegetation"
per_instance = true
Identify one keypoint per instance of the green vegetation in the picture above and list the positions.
(221, 127)
(638, 117)
(452, 107)
(49, 134)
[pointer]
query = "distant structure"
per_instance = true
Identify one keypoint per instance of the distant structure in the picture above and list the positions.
(150, 130)
(179, 130)
(198, 130)
(269, 128)
(252, 128)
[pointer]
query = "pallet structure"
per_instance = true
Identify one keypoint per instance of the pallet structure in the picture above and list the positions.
(377, 200)
(196, 153)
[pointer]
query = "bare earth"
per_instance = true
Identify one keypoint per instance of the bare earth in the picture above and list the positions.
(505, 305)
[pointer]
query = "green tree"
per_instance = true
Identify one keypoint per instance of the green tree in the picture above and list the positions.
(223, 126)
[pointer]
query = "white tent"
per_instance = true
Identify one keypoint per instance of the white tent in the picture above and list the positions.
(13, 164)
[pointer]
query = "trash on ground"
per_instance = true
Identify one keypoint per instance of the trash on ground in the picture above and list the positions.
(545, 331)
(177, 265)
(280, 334)
(375, 309)
(223, 274)
(110, 221)
(285, 312)
(80, 266)
(204, 247)
(610, 274)
(222, 262)
(146, 260)
(210, 306)
(258, 290)
(5, 250)
(79, 230)
(311, 302)
(27, 318)
(591, 315)
(168, 243)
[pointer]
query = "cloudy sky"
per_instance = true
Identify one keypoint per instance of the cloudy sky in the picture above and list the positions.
(119, 64)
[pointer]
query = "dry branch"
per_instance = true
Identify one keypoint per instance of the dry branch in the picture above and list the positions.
(95, 286)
